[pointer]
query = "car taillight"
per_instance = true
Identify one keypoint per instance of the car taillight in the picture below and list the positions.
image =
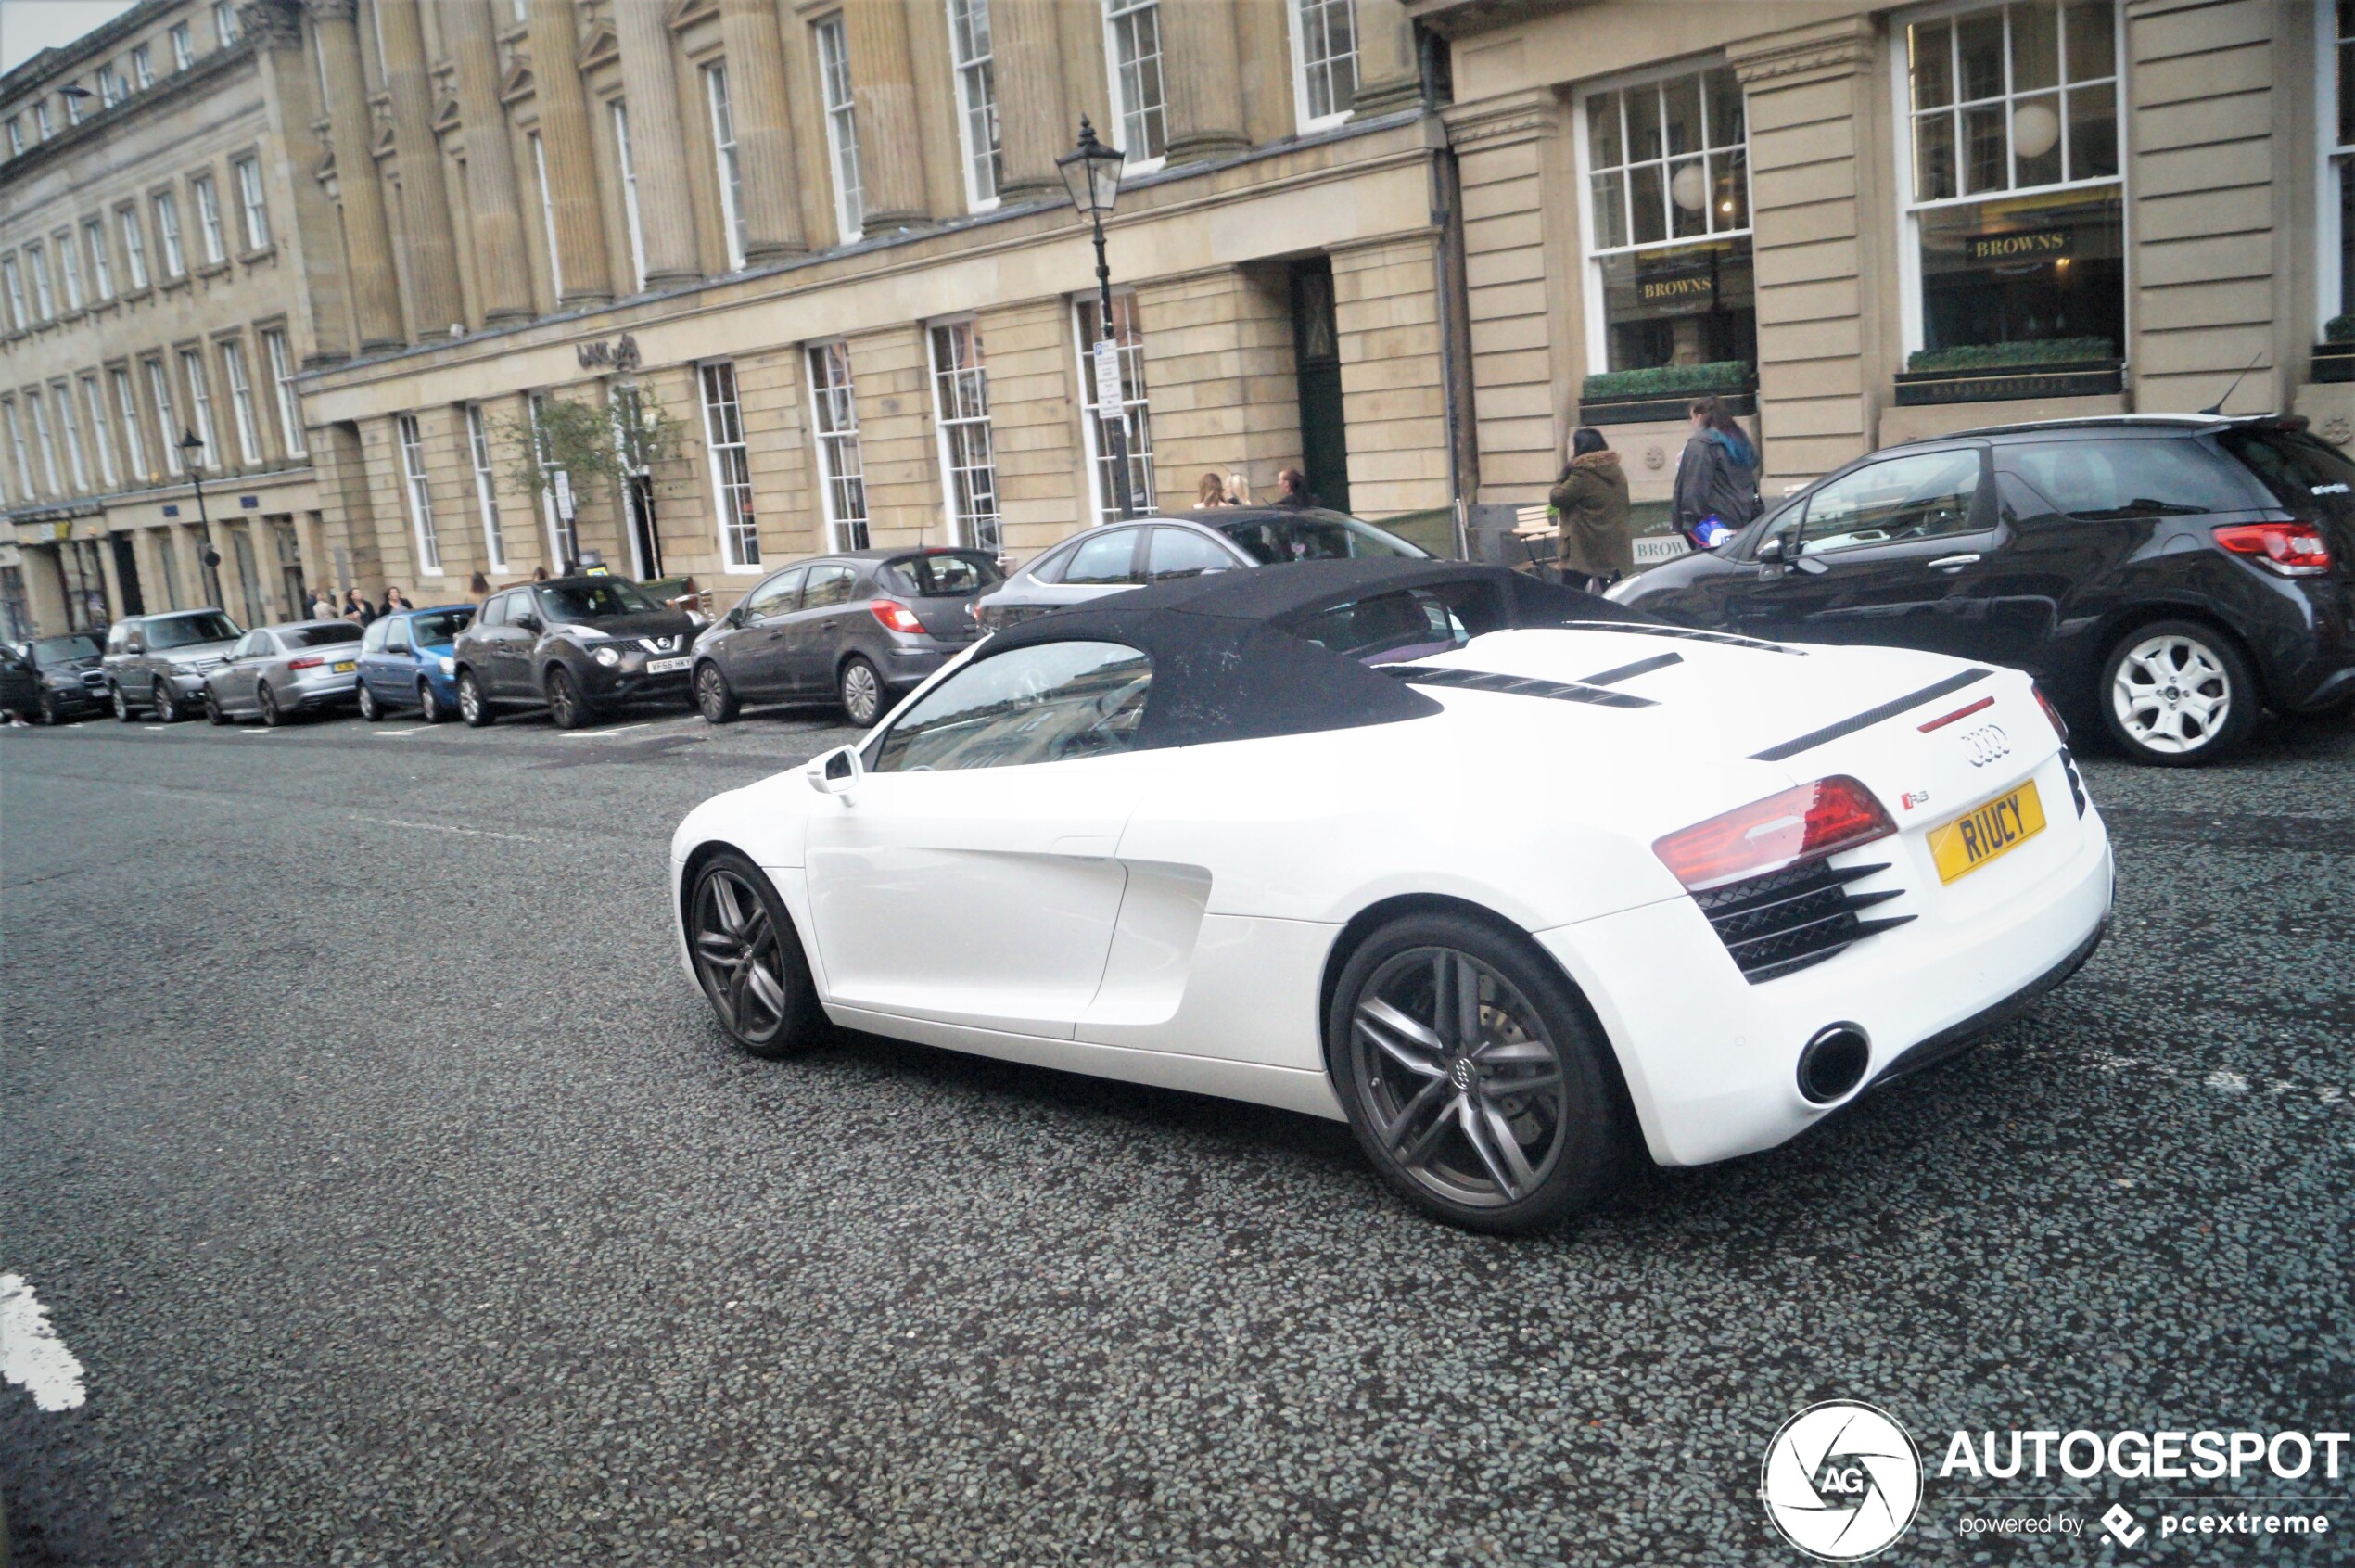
(305, 663)
(1806, 823)
(2060, 725)
(895, 615)
(2291, 549)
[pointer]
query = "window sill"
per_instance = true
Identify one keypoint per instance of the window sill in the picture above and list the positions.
(745, 571)
(2080, 378)
(214, 269)
(258, 255)
(130, 295)
(171, 284)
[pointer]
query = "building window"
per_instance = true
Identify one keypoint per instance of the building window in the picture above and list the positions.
(2016, 211)
(36, 261)
(241, 409)
(730, 173)
(12, 278)
(77, 463)
(134, 250)
(16, 136)
(73, 109)
(42, 129)
(100, 436)
(68, 267)
(282, 373)
(2337, 206)
(143, 67)
(216, 245)
(111, 87)
(723, 424)
(548, 219)
(971, 53)
(200, 405)
(413, 475)
(93, 240)
(564, 540)
(1132, 38)
(175, 264)
(251, 203)
(960, 406)
(183, 49)
(225, 22)
(159, 392)
(486, 488)
(1668, 190)
(1325, 45)
(126, 407)
(841, 467)
(629, 192)
(46, 442)
(842, 127)
(25, 480)
(1135, 417)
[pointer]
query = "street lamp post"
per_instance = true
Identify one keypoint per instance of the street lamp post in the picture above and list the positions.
(1091, 172)
(192, 453)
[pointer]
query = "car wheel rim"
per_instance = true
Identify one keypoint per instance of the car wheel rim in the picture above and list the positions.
(268, 706)
(738, 955)
(710, 695)
(469, 699)
(859, 695)
(164, 710)
(425, 702)
(1459, 1077)
(560, 699)
(2171, 694)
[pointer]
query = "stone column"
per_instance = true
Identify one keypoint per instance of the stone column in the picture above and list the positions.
(502, 275)
(883, 79)
(764, 130)
(367, 241)
(1389, 72)
(563, 142)
(658, 149)
(1201, 72)
(424, 198)
(1035, 125)
(291, 90)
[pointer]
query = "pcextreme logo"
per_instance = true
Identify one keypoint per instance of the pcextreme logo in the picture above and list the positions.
(1842, 1481)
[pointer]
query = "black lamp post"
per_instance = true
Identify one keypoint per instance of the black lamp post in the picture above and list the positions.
(192, 453)
(1091, 172)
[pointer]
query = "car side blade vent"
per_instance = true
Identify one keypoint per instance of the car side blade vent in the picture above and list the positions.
(1784, 921)
(1520, 685)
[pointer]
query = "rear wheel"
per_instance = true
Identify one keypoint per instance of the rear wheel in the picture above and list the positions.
(473, 706)
(271, 714)
(565, 705)
(429, 707)
(1470, 1074)
(715, 699)
(750, 961)
(167, 708)
(861, 691)
(368, 706)
(2177, 694)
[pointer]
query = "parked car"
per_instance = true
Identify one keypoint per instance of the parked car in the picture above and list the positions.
(860, 628)
(582, 645)
(1115, 557)
(1167, 840)
(2165, 575)
(275, 672)
(409, 659)
(158, 662)
(53, 678)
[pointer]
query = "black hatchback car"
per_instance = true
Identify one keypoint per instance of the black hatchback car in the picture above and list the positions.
(53, 678)
(860, 628)
(2169, 575)
(580, 645)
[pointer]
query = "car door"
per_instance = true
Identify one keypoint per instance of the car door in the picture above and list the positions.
(970, 877)
(752, 655)
(235, 680)
(376, 671)
(19, 685)
(814, 631)
(1103, 562)
(511, 654)
(399, 661)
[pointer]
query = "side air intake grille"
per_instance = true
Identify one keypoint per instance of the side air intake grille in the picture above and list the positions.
(1780, 923)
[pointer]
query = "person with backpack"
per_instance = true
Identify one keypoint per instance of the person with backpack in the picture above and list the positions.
(1716, 490)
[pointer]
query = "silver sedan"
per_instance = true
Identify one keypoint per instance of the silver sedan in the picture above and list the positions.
(275, 672)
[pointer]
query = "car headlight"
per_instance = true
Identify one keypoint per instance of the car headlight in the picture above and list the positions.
(608, 657)
(448, 665)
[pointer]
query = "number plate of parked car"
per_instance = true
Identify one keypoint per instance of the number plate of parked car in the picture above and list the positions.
(667, 666)
(2000, 826)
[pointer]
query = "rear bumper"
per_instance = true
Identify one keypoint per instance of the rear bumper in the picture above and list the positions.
(322, 691)
(912, 663)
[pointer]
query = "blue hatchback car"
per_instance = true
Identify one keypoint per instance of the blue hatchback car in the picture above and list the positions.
(405, 662)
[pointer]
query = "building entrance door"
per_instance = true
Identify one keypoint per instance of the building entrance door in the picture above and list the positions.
(1324, 437)
(126, 574)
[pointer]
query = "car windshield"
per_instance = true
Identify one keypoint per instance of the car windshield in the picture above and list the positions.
(595, 599)
(942, 576)
(2296, 468)
(440, 626)
(63, 650)
(1313, 536)
(320, 636)
(181, 631)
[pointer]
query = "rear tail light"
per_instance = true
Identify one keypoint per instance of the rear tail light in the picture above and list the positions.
(305, 663)
(2291, 549)
(2060, 725)
(895, 615)
(1806, 823)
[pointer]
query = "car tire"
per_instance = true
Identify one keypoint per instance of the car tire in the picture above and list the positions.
(566, 707)
(714, 698)
(167, 707)
(473, 706)
(45, 709)
(2177, 694)
(1440, 1119)
(267, 700)
(860, 691)
(213, 712)
(122, 713)
(429, 707)
(748, 959)
(369, 709)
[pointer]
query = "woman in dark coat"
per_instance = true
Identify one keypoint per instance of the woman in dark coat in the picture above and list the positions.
(1593, 544)
(1717, 477)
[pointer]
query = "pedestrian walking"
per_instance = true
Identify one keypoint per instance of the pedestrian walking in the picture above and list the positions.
(1291, 488)
(323, 604)
(356, 608)
(1594, 545)
(1716, 489)
(479, 587)
(396, 600)
(538, 574)
(1212, 492)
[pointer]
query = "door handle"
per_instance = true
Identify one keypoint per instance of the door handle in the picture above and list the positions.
(1953, 563)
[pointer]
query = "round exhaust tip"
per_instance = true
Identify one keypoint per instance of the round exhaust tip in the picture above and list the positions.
(1833, 1062)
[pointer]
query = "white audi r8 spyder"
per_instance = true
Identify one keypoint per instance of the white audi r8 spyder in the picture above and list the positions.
(1513, 880)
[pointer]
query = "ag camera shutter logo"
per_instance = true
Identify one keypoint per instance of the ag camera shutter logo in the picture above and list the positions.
(1842, 1481)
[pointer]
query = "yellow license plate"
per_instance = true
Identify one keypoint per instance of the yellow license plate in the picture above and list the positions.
(346, 665)
(1995, 829)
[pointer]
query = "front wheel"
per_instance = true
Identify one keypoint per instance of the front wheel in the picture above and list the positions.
(473, 706)
(715, 699)
(167, 708)
(369, 709)
(565, 705)
(122, 706)
(2177, 694)
(750, 962)
(45, 709)
(214, 713)
(429, 707)
(1471, 1076)
(861, 692)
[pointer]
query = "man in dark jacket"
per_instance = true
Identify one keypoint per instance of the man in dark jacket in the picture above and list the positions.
(1717, 477)
(1293, 489)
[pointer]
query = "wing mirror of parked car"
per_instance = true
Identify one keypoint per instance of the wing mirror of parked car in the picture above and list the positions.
(528, 622)
(837, 771)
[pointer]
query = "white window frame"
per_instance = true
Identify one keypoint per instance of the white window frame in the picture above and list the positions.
(27, 479)
(183, 46)
(282, 374)
(175, 260)
(68, 269)
(12, 280)
(1132, 143)
(241, 409)
(726, 169)
(94, 239)
(192, 371)
(628, 169)
(43, 127)
(419, 491)
(1136, 411)
(112, 89)
(1303, 28)
(253, 202)
(134, 247)
(44, 298)
(143, 67)
(1581, 129)
(974, 528)
(1909, 210)
(225, 22)
(494, 537)
(723, 438)
(73, 108)
(216, 240)
(842, 461)
(16, 136)
(101, 436)
(126, 405)
(838, 96)
(159, 389)
(548, 220)
(45, 440)
(2330, 157)
(77, 460)
(973, 61)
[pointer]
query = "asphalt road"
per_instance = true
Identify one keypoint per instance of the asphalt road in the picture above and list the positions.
(404, 1206)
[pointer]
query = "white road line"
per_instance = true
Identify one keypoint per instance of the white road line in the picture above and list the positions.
(265, 730)
(445, 827)
(382, 732)
(31, 1355)
(592, 734)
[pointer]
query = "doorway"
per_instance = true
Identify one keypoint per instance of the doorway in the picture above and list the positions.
(248, 578)
(126, 573)
(1324, 436)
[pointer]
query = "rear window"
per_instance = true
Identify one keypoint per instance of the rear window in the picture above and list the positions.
(59, 650)
(941, 575)
(180, 631)
(1412, 623)
(1313, 536)
(320, 636)
(2296, 470)
(2107, 480)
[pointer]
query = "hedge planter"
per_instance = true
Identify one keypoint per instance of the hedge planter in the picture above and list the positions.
(2080, 378)
(1738, 400)
(2334, 361)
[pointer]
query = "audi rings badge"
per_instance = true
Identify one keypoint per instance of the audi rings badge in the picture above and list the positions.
(1987, 743)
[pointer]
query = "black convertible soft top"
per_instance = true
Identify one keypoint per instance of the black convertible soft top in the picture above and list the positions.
(1227, 665)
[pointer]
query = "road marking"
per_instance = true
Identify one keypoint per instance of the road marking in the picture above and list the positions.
(31, 1355)
(265, 730)
(383, 733)
(592, 734)
(445, 827)
(154, 726)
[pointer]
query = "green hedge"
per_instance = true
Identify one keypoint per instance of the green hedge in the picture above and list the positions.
(1990, 356)
(2339, 329)
(1668, 380)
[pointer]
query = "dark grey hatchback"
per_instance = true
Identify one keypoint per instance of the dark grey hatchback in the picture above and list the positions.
(859, 627)
(582, 646)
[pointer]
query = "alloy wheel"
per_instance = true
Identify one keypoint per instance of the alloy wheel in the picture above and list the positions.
(564, 703)
(472, 706)
(861, 693)
(45, 710)
(2171, 694)
(429, 704)
(738, 956)
(368, 708)
(1460, 1078)
(167, 710)
(269, 702)
(713, 699)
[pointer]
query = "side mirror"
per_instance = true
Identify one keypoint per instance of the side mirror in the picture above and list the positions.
(1770, 550)
(837, 771)
(528, 623)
